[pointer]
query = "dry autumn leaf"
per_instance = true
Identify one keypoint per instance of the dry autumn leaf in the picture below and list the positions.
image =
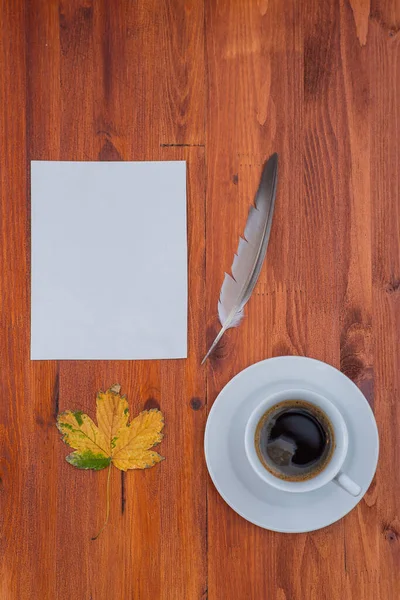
(114, 440)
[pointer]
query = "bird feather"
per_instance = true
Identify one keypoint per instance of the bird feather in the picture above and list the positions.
(249, 257)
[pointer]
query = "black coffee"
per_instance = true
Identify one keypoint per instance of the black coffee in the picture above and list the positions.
(294, 440)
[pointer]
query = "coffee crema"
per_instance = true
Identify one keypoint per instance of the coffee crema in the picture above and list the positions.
(294, 440)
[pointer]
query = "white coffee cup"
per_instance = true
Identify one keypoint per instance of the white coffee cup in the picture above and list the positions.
(331, 472)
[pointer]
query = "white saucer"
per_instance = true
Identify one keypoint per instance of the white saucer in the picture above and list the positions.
(246, 492)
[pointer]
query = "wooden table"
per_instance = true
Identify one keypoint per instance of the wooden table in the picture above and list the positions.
(221, 84)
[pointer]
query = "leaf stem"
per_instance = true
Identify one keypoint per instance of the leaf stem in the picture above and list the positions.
(107, 503)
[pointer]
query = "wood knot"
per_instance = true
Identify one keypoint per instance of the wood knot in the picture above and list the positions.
(355, 347)
(86, 12)
(40, 421)
(151, 403)
(62, 19)
(195, 403)
(43, 423)
(109, 152)
(393, 286)
(352, 366)
(390, 534)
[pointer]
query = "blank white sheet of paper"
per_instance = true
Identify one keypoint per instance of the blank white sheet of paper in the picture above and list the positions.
(109, 260)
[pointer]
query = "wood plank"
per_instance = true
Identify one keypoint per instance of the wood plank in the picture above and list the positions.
(25, 456)
(43, 142)
(383, 45)
(361, 527)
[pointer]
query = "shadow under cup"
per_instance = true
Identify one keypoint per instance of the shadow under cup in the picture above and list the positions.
(294, 440)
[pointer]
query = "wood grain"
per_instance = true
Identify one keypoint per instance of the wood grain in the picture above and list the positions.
(221, 85)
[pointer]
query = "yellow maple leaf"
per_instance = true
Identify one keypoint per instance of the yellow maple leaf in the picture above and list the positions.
(114, 440)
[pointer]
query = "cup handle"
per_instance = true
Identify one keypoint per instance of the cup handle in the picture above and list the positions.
(347, 484)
